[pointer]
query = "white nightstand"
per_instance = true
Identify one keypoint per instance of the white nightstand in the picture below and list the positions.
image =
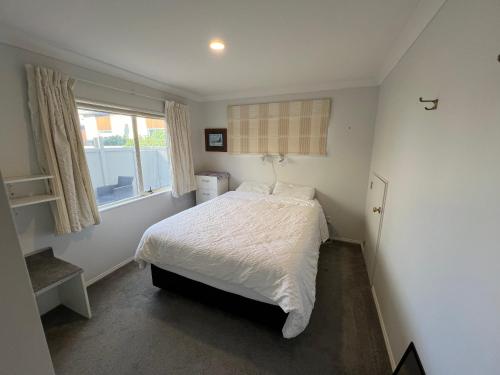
(211, 185)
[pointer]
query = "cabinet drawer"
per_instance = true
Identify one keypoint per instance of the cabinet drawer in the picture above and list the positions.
(203, 195)
(206, 182)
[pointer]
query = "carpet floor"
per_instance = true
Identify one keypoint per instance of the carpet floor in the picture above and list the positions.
(137, 328)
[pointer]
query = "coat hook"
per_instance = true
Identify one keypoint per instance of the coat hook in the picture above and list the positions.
(434, 102)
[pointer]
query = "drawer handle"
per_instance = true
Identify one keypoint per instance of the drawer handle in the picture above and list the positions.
(206, 194)
(202, 180)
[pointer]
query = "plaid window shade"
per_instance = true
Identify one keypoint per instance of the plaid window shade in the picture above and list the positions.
(295, 127)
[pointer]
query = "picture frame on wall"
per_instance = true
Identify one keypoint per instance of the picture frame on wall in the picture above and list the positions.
(216, 139)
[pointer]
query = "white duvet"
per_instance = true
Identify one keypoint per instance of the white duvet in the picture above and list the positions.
(266, 244)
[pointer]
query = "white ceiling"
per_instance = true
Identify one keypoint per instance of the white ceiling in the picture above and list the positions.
(271, 45)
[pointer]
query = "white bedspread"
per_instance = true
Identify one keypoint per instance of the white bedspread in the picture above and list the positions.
(267, 244)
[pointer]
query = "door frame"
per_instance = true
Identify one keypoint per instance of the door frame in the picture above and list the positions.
(379, 231)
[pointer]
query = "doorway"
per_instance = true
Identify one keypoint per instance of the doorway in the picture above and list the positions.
(374, 213)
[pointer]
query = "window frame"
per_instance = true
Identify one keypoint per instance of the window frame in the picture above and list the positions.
(133, 113)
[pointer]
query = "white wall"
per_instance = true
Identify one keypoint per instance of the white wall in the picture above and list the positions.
(340, 178)
(95, 249)
(437, 279)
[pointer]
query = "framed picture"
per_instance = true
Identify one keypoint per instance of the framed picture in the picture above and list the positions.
(216, 140)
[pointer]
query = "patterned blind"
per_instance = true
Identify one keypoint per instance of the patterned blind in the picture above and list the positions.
(295, 127)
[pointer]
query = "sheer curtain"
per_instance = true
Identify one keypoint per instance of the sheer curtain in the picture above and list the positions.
(56, 129)
(181, 158)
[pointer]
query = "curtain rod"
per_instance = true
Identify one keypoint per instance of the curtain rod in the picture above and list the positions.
(120, 89)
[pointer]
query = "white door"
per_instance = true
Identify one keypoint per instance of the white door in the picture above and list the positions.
(374, 212)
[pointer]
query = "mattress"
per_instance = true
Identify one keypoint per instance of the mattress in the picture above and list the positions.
(262, 247)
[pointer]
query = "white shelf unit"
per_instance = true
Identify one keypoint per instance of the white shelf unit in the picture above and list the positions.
(16, 202)
(34, 199)
(19, 179)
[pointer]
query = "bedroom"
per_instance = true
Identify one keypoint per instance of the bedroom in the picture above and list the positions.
(408, 195)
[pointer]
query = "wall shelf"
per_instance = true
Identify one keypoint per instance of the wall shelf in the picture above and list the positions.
(20, 179)
(28, 198)
(34, 199)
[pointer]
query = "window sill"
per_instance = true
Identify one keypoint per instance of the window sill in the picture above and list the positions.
(124, 202)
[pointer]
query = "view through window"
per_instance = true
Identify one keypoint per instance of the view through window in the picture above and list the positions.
(118, 169)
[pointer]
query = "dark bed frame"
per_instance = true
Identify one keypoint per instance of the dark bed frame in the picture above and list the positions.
(236, 305)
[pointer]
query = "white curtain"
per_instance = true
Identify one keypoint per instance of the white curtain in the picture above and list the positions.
(181, 157)
(56, 129)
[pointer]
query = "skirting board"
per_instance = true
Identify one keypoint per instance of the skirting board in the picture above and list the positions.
(384, 331)
(107, 272)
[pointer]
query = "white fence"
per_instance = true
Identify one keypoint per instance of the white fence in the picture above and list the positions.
(107, 163)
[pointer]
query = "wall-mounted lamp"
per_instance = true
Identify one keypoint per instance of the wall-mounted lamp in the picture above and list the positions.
(267, 158)
(283, 160)
(280, 159)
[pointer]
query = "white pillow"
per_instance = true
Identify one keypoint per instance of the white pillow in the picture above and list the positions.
(293, 191)
(254, 187)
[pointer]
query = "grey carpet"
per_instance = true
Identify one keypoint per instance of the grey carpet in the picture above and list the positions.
(139, 329)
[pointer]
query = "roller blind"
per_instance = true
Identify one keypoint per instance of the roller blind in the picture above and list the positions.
(292, 127)
(86, 104)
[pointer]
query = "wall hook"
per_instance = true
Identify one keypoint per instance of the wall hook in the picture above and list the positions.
(434, 102)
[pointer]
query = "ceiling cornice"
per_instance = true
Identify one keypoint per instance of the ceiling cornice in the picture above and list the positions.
(20, 39)
(423, 14)
(304, 89)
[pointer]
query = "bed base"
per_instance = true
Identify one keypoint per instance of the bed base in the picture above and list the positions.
(233, 304)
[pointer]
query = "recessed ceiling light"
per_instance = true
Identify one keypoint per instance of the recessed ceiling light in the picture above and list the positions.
(217, 45)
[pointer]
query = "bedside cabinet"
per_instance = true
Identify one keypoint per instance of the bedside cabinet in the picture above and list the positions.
(210, 185)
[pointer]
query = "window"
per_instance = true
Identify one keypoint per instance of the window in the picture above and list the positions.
(126, 152)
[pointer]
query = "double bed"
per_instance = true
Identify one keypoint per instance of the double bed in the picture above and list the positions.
(262, 247)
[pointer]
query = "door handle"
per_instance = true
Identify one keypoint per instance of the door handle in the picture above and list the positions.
(377, 210)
